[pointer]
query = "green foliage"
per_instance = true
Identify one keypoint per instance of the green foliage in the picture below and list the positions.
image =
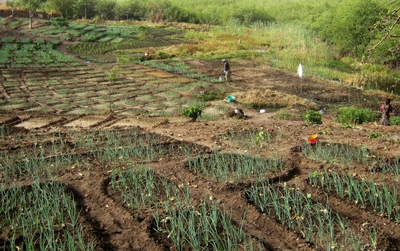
(261, 138)
(375, 135)
(192, 112)
(313, 117)
(112, 75)
(54, 42)
(251, 13)
(379, 78)
(40, 41)
(60, 22)
(348, 25)
(105, 9)
(354, 115)
(8, 40)
(395, 120)
(208, 96)
(25, 40)
(283, 115)
(141, 29)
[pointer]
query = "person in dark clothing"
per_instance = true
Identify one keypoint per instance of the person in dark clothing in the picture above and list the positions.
(386, 109)
(226, 73)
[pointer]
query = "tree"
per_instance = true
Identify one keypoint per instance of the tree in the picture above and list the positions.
(105, 9)
(84, 9)
(353, 24)
(64, 7)
(11, 3)
(386, 47)
(349, 26)
(60, 22)
(31, 5)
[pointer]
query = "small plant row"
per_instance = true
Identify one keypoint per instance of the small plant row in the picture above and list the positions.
(336, 153)
(320, 225)
(382, 198)
(92, 48)
(180, 69)
(251, 138)
(142, 189)
(30, 55)
(40, 166)
(41, 217)
(25, 40)
(197, 227)
(221, 167)
(45, 159)
(344, 154)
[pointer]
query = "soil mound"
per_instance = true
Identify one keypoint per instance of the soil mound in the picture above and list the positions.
(269, 98)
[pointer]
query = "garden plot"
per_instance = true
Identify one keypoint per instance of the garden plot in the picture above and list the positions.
(7, 119)
(50, 218)
(160, 74)
(39, 122)
(86, 121)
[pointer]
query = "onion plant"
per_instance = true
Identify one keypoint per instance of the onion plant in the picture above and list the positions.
(233, 167)
(318, 224)
(382, 198)
(44, 215)
(336, 153)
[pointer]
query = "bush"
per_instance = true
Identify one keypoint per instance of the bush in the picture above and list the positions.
(354, 115)
(25, 40)
(9, 40)
(208, 96)
(192, 112)
(395, 120)
(313, 117)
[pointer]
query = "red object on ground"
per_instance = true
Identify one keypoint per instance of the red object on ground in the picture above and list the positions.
(313, 139)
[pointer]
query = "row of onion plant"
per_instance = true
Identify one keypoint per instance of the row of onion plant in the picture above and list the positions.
(47, 157)
(391, 166)
(224, 167)
(43, 216)
(382, 198)
(198, 227)
(336, 153)
(318, 224)
(251, 138)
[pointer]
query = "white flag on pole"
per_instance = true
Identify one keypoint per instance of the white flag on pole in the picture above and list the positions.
(300, 70)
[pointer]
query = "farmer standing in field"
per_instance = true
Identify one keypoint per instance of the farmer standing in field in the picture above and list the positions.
(386, 109)
(226, 73)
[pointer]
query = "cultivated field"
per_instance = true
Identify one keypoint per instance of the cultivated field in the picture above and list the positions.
(95, 154)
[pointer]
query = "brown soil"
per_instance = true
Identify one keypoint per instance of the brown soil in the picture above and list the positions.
(115, 226)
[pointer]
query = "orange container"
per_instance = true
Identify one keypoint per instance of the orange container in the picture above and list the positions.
(313, 139)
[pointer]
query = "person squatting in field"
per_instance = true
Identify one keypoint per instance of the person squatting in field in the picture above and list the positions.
(386, 109)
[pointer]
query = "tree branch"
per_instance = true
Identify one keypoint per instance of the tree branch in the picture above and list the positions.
(388, 33)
